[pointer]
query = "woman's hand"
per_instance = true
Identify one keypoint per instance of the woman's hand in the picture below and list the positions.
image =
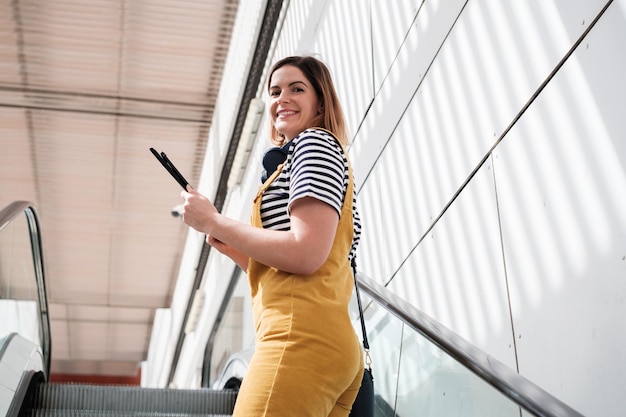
(238, 257)
(198, 211)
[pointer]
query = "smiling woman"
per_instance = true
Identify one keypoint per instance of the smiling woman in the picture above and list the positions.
(297, 252)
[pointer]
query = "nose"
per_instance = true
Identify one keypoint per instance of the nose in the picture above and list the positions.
(283, 98)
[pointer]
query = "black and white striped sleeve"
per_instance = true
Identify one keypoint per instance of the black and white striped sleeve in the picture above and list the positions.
(318, 170)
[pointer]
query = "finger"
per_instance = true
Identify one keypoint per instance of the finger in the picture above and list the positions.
(187, 192)
(212, 241)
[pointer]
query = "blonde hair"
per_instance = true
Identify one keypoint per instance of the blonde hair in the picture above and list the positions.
(317, 73)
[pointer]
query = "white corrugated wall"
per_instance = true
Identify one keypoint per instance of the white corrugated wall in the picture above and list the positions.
(489, 148)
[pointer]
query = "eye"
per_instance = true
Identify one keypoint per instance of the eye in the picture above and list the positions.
(274, 93)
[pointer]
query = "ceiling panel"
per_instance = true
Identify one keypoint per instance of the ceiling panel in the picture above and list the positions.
(86, 88)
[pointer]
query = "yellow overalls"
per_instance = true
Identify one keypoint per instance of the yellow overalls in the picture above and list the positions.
(308, 359)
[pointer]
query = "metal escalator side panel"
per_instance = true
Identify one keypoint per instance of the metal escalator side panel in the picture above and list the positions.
(21, 363)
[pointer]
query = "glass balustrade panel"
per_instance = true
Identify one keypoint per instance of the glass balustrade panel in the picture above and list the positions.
(413, 377)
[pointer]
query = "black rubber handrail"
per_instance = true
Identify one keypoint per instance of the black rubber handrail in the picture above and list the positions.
(8, 215)
(520, 390)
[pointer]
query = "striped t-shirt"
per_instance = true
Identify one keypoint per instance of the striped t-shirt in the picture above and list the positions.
(315, 167)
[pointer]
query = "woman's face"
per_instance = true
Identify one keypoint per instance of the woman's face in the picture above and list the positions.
(293, 101)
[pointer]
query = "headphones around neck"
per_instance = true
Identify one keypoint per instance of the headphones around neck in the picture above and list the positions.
(272, 158)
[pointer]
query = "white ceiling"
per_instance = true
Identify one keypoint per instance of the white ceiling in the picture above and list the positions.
(86, 88)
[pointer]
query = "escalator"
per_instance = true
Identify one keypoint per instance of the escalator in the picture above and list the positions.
(60, 400)
(32, 396)
(25, 346)
(420, 367)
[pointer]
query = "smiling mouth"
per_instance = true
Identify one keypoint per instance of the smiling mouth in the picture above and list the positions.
(285, 113)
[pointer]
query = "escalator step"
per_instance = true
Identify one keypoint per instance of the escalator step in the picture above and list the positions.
(90, 413)
(98, 400)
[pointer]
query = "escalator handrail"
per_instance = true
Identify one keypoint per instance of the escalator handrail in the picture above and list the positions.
(11, 211)
(510, 383)
(7, 215)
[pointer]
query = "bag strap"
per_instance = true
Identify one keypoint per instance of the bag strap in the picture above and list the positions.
(366, 344)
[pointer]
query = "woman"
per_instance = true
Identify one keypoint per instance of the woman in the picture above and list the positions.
(297, 250)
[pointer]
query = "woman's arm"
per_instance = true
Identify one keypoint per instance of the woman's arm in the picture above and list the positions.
(301, 250)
